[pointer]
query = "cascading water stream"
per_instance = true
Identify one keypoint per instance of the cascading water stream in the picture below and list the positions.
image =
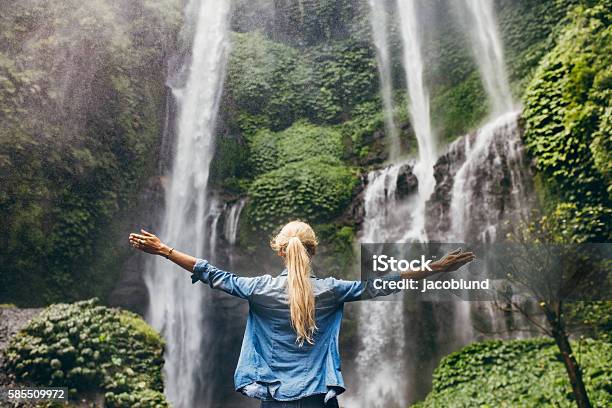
(379, 23)
(489, 53)
(494, 165)
(175, 307)
(390, 216)
(419, 117)
(230, 229)
(380, 363)
(497, 148)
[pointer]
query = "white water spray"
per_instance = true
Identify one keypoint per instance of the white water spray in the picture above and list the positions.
(489, 53)
(175, 304)
(379, 23)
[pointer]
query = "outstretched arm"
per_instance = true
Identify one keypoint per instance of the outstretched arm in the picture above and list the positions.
(151, 244)
(200, 269)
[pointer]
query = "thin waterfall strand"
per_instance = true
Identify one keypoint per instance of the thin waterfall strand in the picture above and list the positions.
(489, 53)
(379, 23)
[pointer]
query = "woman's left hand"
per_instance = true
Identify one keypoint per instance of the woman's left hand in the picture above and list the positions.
(147, 242)
(453, 261)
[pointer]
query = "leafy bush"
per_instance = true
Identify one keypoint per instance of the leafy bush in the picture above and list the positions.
(568, 119)
(315, 189)
(90, 348)
(524, 373)
(301, 141)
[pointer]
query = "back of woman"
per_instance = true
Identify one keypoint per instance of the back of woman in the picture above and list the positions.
(289, 356)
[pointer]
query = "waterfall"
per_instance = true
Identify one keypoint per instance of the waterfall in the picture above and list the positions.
(230, 228)
(476, 209)
(379, 363)
(175, 305)
(394, 212)
(379, 23)
(419, 116)
(489, 54)
(492, 185)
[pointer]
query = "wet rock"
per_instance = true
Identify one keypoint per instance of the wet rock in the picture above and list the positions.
(406, 183)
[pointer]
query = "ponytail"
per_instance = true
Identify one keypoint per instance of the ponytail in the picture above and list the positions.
(297, 241)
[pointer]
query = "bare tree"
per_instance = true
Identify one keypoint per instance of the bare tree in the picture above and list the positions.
(549, 276)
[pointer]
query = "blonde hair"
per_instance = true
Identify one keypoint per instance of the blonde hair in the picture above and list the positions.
(298, 242)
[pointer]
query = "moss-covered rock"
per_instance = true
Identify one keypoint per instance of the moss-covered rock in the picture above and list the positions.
(91, 349)
(519, 373)
(302, 141)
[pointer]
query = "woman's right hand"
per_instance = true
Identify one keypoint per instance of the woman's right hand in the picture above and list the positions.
(148, 243)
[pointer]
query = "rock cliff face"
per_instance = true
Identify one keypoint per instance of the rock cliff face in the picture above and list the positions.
(483, 185)
(438, 223)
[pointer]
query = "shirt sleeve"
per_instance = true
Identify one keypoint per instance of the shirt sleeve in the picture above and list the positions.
(351, 291)
(223, 280)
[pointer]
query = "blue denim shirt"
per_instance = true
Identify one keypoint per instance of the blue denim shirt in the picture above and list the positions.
(271, 364)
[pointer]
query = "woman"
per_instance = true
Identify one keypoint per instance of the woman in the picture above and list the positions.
(289, 355)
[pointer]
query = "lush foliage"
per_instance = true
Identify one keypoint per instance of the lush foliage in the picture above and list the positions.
(270, 151)
(303, 23)
(568, 126)
(81, 112)
(529, 29)
(315, 190)
(519, 373)
(91, 349)
(271, 85)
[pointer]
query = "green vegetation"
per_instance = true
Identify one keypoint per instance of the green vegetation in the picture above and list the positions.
(519, 373)
(302, 141)
(529, 29)
(81, 111)
(459, 109)
(567, 125)
(290, 107)
(271, 85)
(315, 190)
(91, 350)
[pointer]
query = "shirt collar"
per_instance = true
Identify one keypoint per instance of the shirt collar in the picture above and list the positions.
(284, 273)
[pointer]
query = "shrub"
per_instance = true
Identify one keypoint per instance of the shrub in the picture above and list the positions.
(315, 189)
(524, 373)
(91, 348)
(300, 142)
